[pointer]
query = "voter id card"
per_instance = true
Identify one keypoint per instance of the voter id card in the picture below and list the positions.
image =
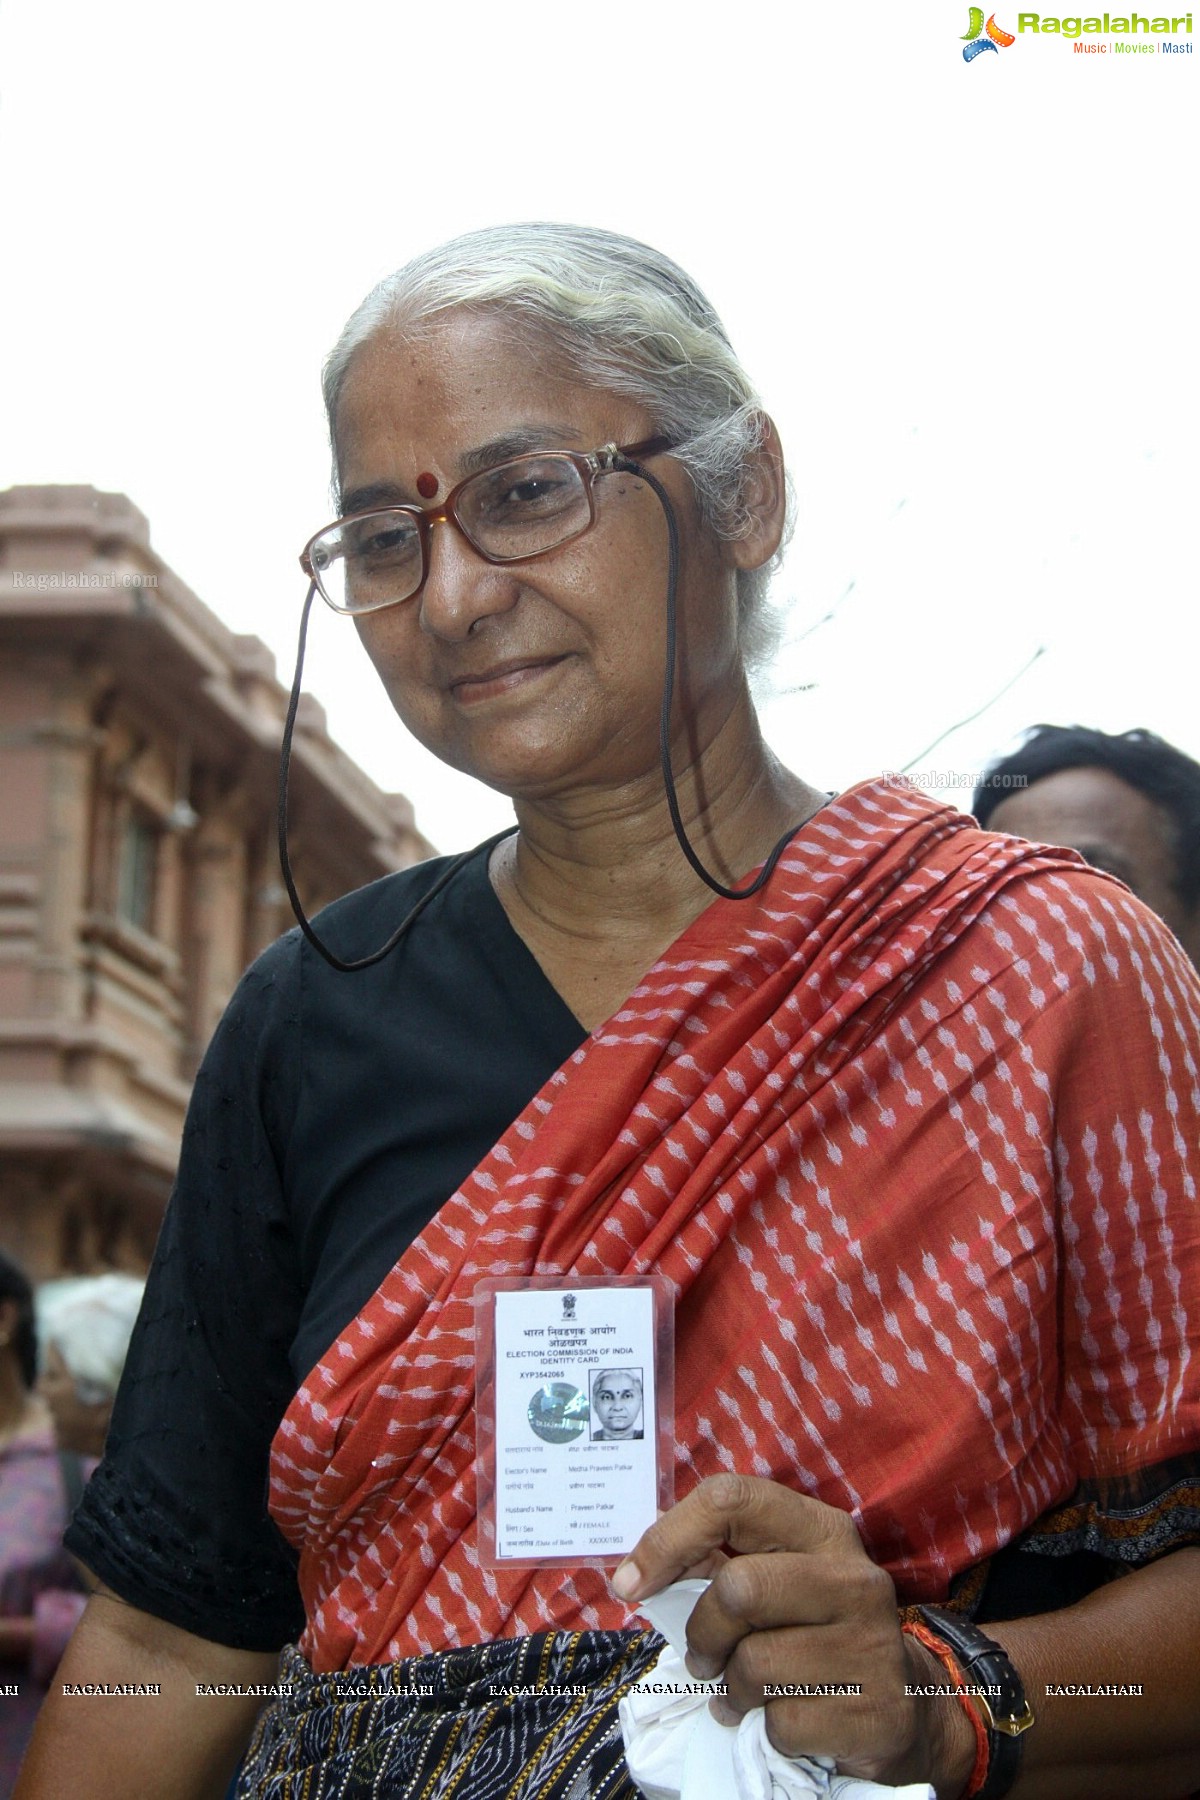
(574, 1403)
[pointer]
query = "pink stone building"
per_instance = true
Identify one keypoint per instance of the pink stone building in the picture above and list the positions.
(139, 745)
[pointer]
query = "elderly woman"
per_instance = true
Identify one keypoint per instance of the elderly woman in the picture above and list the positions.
(617, 1404)
(906, 1117)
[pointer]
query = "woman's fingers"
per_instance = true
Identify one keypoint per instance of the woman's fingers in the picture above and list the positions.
(833, 1688)
(741, 1511)
(801, 1622)
(845, 1595)
(797, 1565)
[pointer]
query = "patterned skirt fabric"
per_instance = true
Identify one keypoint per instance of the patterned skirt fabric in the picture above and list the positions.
(531, 1718)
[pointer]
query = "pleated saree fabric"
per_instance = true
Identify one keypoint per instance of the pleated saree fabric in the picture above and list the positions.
(912, 1134)
(531, 1718)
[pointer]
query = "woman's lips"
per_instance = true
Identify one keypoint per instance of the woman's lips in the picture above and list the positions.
(503, 678)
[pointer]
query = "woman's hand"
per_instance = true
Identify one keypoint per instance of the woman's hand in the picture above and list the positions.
(803, 1606)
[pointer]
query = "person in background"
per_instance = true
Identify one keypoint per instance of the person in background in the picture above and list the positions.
(33, 1513)
(85, 1325)
(52, 1430)
(1129, 803)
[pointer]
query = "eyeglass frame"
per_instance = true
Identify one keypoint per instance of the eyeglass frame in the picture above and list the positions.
(609, 459)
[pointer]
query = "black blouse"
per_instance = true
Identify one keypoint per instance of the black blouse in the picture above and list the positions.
(332, 1116)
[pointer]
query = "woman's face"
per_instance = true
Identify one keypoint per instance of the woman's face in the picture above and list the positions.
(542, 677)
(78, 1424)
(617, 1398)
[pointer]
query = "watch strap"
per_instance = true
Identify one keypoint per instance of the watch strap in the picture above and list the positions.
(1007, 1714)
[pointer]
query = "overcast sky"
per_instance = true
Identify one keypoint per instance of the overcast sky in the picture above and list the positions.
(965, 292)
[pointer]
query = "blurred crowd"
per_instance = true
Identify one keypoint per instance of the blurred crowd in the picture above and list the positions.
(61, 1355)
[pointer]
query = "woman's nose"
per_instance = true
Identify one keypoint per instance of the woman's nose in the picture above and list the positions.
(461, 587)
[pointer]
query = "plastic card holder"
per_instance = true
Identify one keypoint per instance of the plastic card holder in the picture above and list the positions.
(574, 1392)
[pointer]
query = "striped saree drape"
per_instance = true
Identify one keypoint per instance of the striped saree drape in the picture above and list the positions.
(910, 1135)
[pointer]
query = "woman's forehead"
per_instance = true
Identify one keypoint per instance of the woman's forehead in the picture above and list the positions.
(457, 361)
(465, 387)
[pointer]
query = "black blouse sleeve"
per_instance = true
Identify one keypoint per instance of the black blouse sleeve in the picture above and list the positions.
(175, 1519)
(330, 1119)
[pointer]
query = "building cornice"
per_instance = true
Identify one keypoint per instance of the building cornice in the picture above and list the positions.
(77, 569)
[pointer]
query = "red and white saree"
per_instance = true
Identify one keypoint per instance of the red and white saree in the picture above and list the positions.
(913, 1134)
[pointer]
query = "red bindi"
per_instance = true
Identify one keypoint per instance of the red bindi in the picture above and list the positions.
(427, 485)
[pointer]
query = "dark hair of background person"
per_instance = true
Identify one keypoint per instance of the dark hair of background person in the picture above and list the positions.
(15, 1286)
(1140, 758)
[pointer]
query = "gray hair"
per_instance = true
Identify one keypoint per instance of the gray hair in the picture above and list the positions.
(628, 319)
(603, 1375)
(89, 1320)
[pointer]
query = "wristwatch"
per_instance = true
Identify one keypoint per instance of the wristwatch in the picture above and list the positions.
(1007, 1714)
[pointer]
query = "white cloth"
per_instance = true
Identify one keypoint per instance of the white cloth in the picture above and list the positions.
(676, 1750)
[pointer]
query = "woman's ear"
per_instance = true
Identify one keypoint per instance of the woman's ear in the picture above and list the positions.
(763, 509)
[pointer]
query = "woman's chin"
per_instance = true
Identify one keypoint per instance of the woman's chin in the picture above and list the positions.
(533, 766)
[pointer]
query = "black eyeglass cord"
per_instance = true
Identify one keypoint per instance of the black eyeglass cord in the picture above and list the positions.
(664, 717)
(451, 870)
(410, 918)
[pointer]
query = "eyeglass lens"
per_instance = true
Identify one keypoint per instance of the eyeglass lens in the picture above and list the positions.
(519, 509)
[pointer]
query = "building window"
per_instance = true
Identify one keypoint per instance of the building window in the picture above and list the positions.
(137, 871)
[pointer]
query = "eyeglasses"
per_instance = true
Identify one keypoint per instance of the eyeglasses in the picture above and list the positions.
(517, 510)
